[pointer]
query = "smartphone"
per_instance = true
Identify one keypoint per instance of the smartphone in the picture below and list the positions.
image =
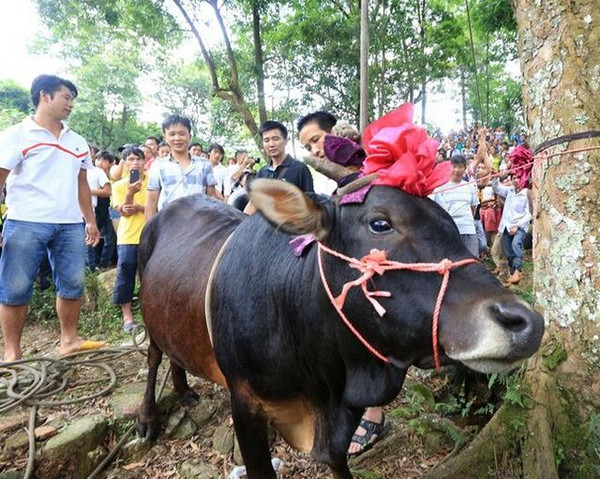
(134, 175)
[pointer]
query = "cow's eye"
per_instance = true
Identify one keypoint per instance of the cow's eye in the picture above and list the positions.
(380, 226)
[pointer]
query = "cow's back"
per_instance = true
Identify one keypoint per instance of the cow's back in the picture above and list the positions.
(177, 251)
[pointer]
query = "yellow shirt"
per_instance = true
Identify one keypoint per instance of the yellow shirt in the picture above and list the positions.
(130, 227)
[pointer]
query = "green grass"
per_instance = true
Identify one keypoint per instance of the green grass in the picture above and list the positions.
(99, 317)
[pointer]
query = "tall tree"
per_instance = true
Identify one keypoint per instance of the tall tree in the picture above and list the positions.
(558, 434)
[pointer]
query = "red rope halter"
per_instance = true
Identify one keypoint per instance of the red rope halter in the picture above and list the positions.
(377, 263)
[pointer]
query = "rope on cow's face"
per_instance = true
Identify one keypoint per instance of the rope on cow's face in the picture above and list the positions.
(377, 263)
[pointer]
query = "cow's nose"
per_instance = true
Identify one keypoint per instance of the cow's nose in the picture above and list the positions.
(525, 325)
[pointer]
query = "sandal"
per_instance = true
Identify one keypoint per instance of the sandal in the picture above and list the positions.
(374, 431)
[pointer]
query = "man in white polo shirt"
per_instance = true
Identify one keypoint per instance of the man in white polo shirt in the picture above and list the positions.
(44, 166)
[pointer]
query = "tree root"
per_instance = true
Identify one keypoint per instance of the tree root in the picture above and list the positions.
(538, 445)
(481, 456)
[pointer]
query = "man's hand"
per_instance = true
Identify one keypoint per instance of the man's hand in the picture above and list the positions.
(513, 230)
(92, 235)
(133, 188)
(131, 209)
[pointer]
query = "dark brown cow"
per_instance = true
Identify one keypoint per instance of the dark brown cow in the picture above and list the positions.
(279, 343)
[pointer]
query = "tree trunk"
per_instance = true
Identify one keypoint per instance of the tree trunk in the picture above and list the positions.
(259, 63)
(559, 46)
(364, 64)
(233, 93)
(463, 95)
(560, 53)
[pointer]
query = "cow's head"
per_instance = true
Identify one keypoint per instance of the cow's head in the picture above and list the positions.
(482, 324)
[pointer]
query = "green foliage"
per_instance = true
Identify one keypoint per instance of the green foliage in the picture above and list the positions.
(42, 307)
(593, 443)
(10, 116)
(366, 474)
(98, 317)
(423, 396)
(418, 427)
(14, 97)
(186, 90)
(553, 354)
(419, 400)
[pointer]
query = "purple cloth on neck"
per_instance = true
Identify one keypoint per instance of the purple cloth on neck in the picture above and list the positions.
(299, 243)
(343, 151)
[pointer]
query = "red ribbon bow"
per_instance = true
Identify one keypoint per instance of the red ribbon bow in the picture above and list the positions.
(403, 154)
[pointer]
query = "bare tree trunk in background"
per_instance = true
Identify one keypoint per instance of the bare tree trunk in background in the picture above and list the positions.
(364, 64)
(559, 432)
(421, 5)
(232, 93)
(259, 62)
(463, 95)
(487, 81)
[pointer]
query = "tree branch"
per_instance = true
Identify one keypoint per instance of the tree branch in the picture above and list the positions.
(230, 55)
(205, 53)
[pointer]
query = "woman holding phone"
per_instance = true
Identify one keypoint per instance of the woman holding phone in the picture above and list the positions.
(129, 198)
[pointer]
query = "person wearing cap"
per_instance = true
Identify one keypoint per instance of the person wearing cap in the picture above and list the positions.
(44, 165)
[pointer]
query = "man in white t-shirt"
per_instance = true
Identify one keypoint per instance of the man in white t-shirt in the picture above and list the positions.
(215, 155)
(44, 166)
(99, 187)
(459, 199)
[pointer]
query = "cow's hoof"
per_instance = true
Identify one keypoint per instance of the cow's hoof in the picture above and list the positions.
(148, 431)
(190, 398)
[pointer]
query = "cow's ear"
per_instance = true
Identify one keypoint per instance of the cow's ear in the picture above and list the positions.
(290, 210)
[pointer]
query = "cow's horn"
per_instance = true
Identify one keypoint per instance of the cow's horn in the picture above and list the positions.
(328, 168)
(356, 185)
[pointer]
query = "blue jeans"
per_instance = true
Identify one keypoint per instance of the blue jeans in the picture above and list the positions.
(25, 243)
(126, 269)
(513, 248)
(470, 242)
(109, 244)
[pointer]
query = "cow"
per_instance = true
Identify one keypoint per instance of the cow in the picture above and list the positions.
(282, 339)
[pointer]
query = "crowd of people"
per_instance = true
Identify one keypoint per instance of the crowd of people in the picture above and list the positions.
(53, 180)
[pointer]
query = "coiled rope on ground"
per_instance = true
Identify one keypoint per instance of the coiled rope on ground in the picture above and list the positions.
(35, 381)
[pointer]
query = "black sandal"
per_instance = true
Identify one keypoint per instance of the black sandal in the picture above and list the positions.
(374, 431)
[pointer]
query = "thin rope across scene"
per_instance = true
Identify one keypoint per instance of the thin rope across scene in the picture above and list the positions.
(377, 263)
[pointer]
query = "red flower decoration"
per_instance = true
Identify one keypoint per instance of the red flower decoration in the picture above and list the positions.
(403, 154)
(521, 163)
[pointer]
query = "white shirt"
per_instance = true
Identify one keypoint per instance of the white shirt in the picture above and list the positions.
(96, 178)
(516, 207)
(42, 186)
(457, 199)
(229, 182)
(223, 186)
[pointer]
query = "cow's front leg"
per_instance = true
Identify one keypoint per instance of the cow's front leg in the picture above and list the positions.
(184, 392)
(342, 424)
(251, 429)
(147, 421)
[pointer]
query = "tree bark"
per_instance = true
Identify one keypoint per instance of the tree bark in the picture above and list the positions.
(559, 47)
(364, 64)
(259, 62)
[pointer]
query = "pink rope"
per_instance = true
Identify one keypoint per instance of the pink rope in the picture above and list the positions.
(377, 263)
